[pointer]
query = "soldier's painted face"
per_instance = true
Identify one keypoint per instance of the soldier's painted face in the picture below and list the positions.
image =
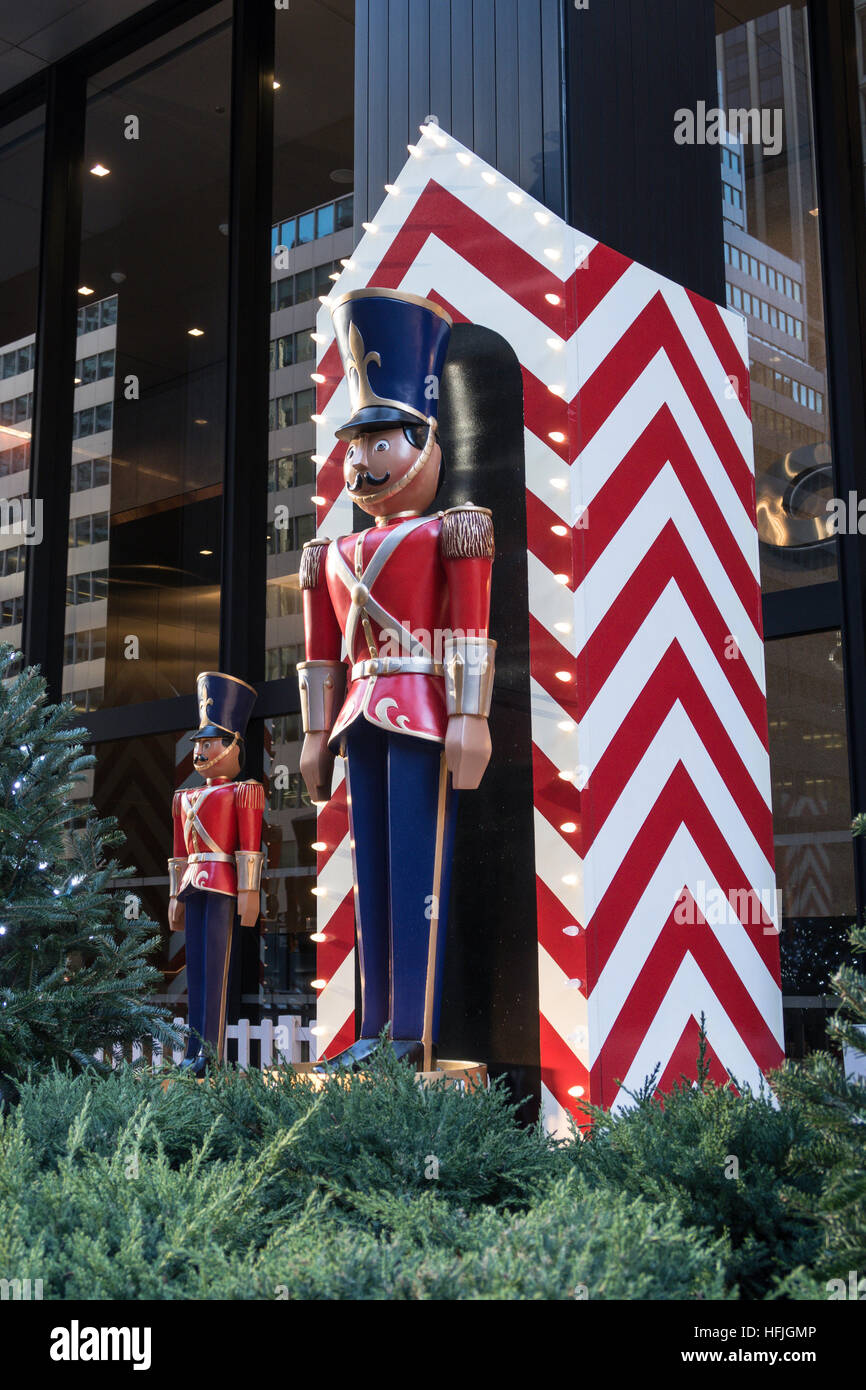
(212, 759)
(376, 470)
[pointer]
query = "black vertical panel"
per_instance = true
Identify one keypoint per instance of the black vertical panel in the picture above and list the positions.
(631, 66)
(399, 130)
(466, 62)
(375, 93)
(483, 141)
(843, 252)
(242, 607)
(419, 68)
(440, 27)
(45, 578)
(507, 107)
(463, 90)
(530, 125)
(362, 134)
(490, 997)
(555, 193)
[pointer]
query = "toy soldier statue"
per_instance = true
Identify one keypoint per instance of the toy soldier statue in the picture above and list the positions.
(216, 870)
(408, 707)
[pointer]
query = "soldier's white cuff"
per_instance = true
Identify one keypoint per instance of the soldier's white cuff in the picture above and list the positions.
(469, 664)
(322, 685)
(250, 863)
(176, 871)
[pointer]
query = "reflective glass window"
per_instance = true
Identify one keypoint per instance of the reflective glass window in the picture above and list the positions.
(152, 358)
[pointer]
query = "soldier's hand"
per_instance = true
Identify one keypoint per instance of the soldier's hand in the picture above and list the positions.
(317, 766)
(175, 914)
(467, 750)
(248, 907)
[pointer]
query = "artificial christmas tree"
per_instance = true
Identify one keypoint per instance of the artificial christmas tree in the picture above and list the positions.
(75, 972)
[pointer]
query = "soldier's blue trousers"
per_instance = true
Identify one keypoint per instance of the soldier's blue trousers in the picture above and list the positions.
(212, 935)
(402, 816)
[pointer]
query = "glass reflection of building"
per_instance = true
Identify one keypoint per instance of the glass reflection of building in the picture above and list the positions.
(773, 277)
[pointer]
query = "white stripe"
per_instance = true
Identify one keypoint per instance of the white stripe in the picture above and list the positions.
(670, 619)
(335, 1003)
(677, 741)
(663, 502)
(689, 995)
(682, 866)
(556, 862)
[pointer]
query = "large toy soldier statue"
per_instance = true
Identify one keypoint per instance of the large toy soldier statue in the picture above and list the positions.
(216, 870)
(408, 706)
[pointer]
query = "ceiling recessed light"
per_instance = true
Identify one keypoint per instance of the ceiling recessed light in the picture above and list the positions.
(195, 332)
(199, 422)
(276, 85)
(317, 376)
(205, 552)
(319, 501)
(100, 171)
(85, 289)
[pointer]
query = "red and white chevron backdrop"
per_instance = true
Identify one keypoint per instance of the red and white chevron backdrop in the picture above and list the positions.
(649, 728)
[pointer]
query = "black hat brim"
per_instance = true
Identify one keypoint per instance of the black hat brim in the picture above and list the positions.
(376, 417)
(211, 731)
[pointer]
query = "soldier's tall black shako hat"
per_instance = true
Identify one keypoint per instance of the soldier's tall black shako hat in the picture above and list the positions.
(224, 706)
(393, 347)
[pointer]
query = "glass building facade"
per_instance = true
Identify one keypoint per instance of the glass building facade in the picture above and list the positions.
(206, 170)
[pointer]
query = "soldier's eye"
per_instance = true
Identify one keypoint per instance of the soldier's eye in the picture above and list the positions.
(382, 446)
(351, 453)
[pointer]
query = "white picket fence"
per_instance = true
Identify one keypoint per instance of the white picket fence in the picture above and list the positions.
(283, 1041)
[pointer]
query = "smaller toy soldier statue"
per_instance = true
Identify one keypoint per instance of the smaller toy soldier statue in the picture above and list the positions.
(215, 872)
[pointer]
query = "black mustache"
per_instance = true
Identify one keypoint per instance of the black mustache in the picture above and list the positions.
(367, 478)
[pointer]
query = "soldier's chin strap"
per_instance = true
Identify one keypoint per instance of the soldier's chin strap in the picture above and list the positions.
(206, 767)
(416, 468)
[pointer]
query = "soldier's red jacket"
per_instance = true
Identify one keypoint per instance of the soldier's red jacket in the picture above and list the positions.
(210, 825)
(397, 590)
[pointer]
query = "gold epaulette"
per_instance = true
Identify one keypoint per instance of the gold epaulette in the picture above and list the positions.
(311, 562)
(176, 804)
(250, 796)
(467, 533)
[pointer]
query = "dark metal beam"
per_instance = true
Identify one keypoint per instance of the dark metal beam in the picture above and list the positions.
(244, 560)
(794, 612)
(170, 716)
(843, 247)
(45, 577)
